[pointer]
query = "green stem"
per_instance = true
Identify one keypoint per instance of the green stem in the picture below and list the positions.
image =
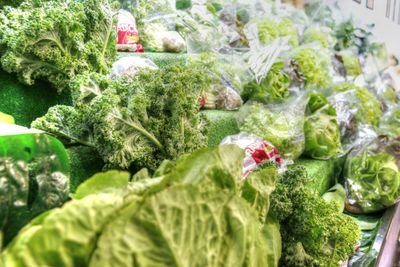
(142, 131)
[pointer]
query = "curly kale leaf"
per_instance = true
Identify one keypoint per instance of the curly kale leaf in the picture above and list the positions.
(313, 232)
(56, 40)
(140, 121)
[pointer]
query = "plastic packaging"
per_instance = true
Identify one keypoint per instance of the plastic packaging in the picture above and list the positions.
(228, 76)
(34, 176)
(128, 36)
(258, 151)
(372, 178)
(390, 122)
(130, 66)
(282, 125)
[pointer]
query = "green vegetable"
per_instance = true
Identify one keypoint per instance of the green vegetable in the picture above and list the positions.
(369, 107)
(316, 34)
(322, 173)
(283, 129)
(336, 195)
(269, 30)
(351, 65)
(5, 118)
(275, 87)
(313, 232)
(321, 129)
(160, 225)
(56, 40)
(373, 182)
(221, 124)
(315, 66)
(154, 116)
(106, 182)
(10, 3)
(46, 242)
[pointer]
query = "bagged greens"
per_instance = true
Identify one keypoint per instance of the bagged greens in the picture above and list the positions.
(314, 65)
(372, 179)
(321, 129)
(282, 125)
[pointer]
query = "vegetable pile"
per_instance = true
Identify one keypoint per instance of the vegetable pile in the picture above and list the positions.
(260, 139)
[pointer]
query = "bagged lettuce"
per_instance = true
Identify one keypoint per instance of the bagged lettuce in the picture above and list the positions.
(372, 179)
(282, 125)
(369, 108)
(321, 129)
(313, 65)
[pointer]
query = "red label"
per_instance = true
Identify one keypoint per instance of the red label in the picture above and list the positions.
(127, 34)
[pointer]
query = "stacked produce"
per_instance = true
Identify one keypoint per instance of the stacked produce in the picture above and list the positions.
(258, 140)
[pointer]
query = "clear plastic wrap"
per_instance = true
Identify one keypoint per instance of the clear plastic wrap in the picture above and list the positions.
(130, 66)
(228, 75)
(258, 152)
(372, 178)
(282, 125)
(390, 122)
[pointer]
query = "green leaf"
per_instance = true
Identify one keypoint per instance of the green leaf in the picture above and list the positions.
(257, 189)
(65, 237)
(183, 225)
(105, 182)
(336, 195)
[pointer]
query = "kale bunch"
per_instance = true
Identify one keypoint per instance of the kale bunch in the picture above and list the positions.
(314, 232)
(140, 121)
(57, 40)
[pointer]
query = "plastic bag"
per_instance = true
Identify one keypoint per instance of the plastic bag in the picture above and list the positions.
(372, 179)
(390, 122)
(128, 36)
(282, 125)
(345, 106)
(160, 35)
(228, 77)
(321, 129)
(130, 66)
(258, 152)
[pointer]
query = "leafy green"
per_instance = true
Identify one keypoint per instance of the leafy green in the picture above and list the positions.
(321, 129)
(275, 87)
(373, 181)
(351, 65)
(316, 34)
(105, 182)
(56, 40)
(283, 129)
(314, 65)
(336, 195)
(63, 237)
(164, 229)
(369, 107)
(193, 215)
(269, 30)
(140, 121)
(314, 232)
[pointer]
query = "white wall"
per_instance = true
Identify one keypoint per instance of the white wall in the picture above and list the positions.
(386, 30)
